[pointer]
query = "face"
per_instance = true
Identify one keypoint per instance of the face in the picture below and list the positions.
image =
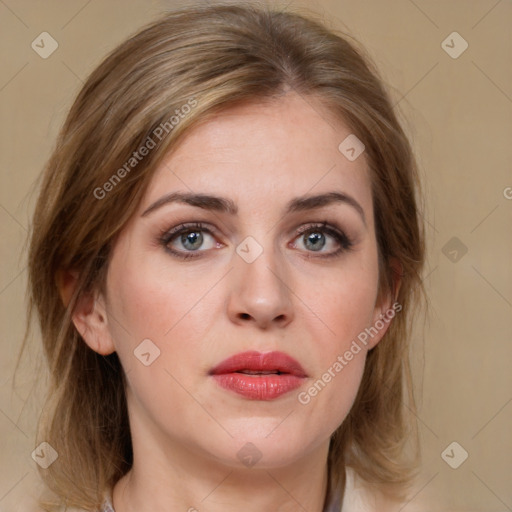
(263, 270)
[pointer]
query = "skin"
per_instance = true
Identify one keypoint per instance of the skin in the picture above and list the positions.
(186, 430)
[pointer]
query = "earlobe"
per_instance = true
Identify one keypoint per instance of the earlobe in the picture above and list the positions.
(89, 314)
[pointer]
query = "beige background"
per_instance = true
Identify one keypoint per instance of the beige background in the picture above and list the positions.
(459, 114)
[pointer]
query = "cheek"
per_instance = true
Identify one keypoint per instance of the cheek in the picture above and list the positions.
(173, 309)
(343, 310)
(327, 401)
(141, 307)
(151, 304)
(342, 302)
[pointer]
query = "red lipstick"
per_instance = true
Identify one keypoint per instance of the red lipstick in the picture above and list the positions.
(258, 376)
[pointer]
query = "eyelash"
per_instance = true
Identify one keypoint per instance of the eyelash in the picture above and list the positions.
(344, 242)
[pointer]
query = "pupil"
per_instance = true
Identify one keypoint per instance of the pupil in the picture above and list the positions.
(315, 237)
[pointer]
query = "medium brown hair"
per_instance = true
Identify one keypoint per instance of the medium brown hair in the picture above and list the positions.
(214, 57)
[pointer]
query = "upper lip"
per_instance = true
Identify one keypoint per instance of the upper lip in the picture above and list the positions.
(256, 361)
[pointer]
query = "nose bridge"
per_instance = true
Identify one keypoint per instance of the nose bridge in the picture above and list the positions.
(259, 288)
(258, 263)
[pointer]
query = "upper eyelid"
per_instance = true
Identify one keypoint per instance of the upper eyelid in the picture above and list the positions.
(303, 228)
(345, 242)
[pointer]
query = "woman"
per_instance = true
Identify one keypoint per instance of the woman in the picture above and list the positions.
(225, 259)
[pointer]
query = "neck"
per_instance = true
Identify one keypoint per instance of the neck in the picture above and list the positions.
(193, 483)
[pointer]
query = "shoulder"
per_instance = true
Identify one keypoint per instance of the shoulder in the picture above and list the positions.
(360, 498)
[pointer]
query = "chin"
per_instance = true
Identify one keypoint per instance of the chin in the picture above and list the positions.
(258, 443)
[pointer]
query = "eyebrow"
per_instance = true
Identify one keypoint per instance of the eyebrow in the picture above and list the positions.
(225, 205)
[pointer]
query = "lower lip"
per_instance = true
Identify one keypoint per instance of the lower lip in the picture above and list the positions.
(259, 387)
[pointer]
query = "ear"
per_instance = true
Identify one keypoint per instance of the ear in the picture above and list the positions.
(386, 306)
(89, 315)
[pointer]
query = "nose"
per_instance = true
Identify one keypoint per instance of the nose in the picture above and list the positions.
(259, 292)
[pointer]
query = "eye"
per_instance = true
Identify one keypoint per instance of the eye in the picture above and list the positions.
(317, 237)
(185, 239)
(190, 240)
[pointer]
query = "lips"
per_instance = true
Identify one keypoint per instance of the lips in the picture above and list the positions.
(258, 376)
(253, 362)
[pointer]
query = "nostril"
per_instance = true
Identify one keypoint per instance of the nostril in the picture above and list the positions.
(245, 316)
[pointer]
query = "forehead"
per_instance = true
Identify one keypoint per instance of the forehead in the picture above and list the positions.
(264, 152)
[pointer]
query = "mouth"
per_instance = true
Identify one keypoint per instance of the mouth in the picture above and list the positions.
(257, 372)
(258, 376)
